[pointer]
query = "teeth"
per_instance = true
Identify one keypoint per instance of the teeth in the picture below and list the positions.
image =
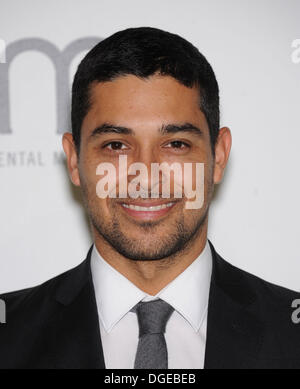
(151, 208)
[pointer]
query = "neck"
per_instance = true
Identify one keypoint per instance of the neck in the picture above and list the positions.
(153, 275)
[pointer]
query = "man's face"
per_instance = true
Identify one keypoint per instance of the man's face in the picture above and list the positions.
(138, 110)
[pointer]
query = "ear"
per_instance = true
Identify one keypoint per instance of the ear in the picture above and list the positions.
(72, 157)
(222, 150)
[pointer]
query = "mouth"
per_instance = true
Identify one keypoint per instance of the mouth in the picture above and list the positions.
(147, 210)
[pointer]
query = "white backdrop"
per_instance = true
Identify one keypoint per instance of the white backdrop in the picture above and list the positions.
(254, 220)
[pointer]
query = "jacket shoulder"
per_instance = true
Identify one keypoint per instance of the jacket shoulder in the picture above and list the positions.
(34, 318)
(274, 308)
(36, 295)
(247, 287)
(261, 288)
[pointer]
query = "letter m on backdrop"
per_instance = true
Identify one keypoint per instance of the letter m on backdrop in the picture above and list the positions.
(61, 61)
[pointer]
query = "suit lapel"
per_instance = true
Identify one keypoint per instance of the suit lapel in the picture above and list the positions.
(234, 332)
(74, 333)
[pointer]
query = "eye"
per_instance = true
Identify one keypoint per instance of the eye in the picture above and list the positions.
(115, 146)
(177, 144)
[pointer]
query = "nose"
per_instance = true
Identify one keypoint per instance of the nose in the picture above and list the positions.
(140, 172)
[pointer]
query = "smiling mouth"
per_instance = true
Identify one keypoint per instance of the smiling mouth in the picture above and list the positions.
(147, 210)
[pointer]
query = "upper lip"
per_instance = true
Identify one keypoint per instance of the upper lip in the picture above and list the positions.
(148, 203)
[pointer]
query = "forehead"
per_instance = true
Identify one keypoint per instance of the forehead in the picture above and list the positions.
(134, 101)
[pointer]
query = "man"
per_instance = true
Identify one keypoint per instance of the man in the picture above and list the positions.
(152, 292)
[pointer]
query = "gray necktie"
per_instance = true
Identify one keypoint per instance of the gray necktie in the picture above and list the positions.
(152, 349)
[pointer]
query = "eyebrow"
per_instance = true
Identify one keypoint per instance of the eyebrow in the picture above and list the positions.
(108, 128)
(186, 127)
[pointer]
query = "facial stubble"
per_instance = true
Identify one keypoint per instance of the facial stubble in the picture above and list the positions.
(177, 238)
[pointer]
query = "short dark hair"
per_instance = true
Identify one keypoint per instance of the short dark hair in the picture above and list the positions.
(142, 52)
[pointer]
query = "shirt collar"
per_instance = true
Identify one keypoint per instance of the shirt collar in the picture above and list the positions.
(188, 293)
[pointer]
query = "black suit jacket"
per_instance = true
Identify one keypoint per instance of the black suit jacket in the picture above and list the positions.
(55, 325)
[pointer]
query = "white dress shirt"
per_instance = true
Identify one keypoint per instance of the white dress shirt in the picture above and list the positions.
(185, 332)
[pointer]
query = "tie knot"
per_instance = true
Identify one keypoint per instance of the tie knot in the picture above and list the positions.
(153, 316)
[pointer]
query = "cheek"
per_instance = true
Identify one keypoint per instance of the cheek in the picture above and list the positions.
(104, 207)
(88, 180)
(199, 186)
(88, 172)
(197, 169)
